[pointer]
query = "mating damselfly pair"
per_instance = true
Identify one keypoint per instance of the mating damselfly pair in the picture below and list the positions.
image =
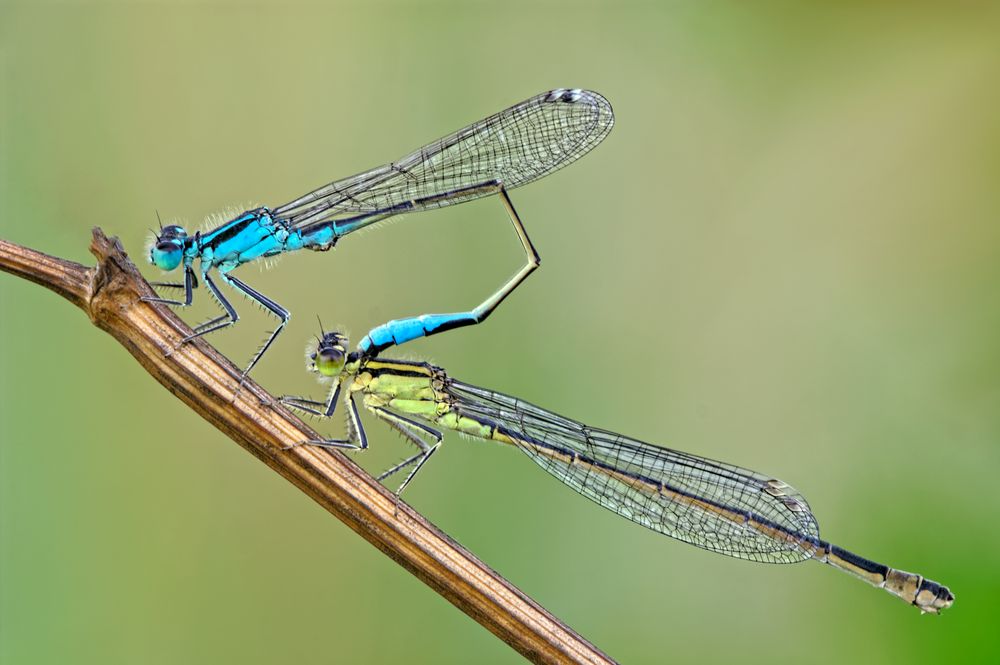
(713, 505)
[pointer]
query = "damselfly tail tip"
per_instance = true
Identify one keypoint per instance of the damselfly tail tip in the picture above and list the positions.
(926, 595)
(932, 597)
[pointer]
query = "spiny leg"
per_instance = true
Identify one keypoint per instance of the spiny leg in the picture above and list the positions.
(189, 285)
(308, 405)
(302, 404)
(406, 427)
(168, 285)
(231, 317)
(268, 304)
(356, 439)
(400, 331)
(179, 285)
(211, 322)
(219, 322)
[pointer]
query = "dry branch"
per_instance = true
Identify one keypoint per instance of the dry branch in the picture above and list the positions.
(206, 381)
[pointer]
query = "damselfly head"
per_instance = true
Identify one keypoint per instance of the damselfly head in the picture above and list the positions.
(329, 357)
(167, 248)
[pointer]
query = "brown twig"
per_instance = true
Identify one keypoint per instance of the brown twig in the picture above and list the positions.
(207, 382)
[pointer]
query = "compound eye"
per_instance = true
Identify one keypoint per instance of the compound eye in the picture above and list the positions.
(329, 361)
(166, 254)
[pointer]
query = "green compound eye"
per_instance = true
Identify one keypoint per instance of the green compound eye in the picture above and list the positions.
(329, 361)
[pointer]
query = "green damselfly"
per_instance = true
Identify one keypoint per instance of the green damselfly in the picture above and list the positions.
(713, 505)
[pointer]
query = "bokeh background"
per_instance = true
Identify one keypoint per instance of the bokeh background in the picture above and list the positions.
(786, 255)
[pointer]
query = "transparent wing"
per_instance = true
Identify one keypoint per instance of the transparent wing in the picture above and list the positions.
(714, 505)
(511, 148)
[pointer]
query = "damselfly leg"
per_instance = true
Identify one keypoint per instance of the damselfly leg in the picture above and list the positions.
(189, 285)
(357, 438)
(231, 316)
(274, 308)
(411, 430)
(306, 405)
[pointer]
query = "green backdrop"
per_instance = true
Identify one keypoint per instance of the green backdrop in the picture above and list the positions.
(786, 255)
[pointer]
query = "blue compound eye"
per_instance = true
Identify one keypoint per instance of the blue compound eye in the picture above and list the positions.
(166, 250)
(166, 254)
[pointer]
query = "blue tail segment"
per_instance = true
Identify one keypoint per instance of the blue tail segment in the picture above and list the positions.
(401, 331)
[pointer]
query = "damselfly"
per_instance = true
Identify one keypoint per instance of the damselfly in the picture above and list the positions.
(714, 505)
(511, 148)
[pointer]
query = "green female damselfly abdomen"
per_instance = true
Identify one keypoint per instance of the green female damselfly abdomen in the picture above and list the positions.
(713, 505)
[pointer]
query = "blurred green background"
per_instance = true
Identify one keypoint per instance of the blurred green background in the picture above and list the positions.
(786, 255)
